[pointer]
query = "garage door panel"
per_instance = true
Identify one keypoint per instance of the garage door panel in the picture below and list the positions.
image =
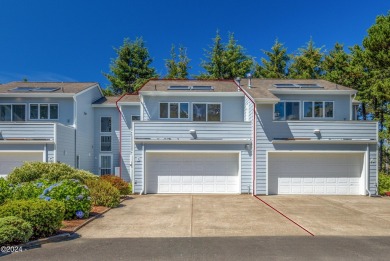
(11, 160)
(192, 173)
(315, 173)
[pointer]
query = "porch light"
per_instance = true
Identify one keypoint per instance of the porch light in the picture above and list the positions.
(317, 131)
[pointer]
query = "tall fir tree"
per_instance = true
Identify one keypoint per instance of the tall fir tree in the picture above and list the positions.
(335, 65)
(131, 69)
(226, 61)
(177, 66)
(307, 63)
(275, 66)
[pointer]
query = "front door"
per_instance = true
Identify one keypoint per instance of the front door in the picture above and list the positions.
(105, 164)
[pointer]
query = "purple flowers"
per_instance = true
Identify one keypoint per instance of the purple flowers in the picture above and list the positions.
(80, 197)
(79, 214)
(47, 198)
(39, 185)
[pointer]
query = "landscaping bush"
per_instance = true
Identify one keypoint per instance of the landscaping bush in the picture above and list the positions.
(27, 190)
(44, 216)
(118, 183)
(14, 230)
(31, 171)
(384, 183)
(73, 194)
(5, 190)
(103, 193)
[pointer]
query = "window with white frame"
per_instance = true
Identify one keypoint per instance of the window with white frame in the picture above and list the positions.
(206, 112)
(105, 143)
(174, 110)
(286, 110)
(12, 112)
(44, 111)
(318, 109)
(105, 124)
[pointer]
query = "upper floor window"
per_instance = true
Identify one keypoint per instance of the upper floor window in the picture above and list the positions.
(318, 109)
(286, 110)
(43, 111)
(12, 112)
(206, 112)
(105, 124)
(135, 118)
(173, 110)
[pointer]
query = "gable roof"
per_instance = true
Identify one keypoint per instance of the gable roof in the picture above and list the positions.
(266, 89)
(162, 85)
(62, 87)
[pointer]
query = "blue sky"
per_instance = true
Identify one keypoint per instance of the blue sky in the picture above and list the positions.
(46, 40)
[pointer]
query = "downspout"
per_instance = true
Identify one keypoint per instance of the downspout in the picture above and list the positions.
(254, 136)
(120, 134)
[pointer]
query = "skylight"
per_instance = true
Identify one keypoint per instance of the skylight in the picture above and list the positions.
(194, 88)
(202, 88)
(297, 85)
(34, 89)
(178, 87)
(285, 85)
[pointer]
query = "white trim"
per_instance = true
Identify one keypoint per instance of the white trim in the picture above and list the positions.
(100, 162)
(284, 101)
(194, 152)
(39, 111)
(350, 107)
(319, 152)
(12, 110)
(100, 125)
(129, 103)
(191, 93)
(56, 143)
(27, 142)
(100, 143)
(207, 116)
(195, 141)
(266, 100)
(110, 105)
(37, 95)
(323, 141)
(321, 92)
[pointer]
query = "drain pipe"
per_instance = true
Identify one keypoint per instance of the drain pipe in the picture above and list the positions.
(254, 135)
(120, 133)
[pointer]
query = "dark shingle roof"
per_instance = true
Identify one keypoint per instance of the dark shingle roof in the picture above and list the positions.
(63, 87)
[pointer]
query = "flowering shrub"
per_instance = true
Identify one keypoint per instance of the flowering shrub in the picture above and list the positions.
(5, 190)
(103, 193)
(118, 183)
(14, 230)
(45, 217)
(27, 190)
(73, 194)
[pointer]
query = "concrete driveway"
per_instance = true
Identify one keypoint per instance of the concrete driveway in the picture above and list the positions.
(190, 216)
(242, 215)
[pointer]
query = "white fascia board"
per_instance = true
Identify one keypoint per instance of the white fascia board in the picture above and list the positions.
(325, 141)
(129, 103)
(227, 141)
(191, 93)
(267, 101)
(37, 95)
(320, 92)
(111, 105)
(89, 88)
(27, 142)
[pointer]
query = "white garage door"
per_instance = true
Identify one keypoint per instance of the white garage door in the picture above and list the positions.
(192, 172)
(315, 173)
(10, 160)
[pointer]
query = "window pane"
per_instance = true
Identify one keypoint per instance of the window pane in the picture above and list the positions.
(135, 118)
(163, 110)
(292, 111)
(18, 112)
(54, 111)
(184, 110)
(318, 109)
(329, 110)
(105, 124)
(174, 110)
(199, 112)
(43, 111)
(105, 143)
(5, 112)
(214, 112)
(34, 111)
(279, 111)
(308, 109)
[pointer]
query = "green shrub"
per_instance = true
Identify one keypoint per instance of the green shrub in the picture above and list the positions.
(27, 190)
(44, 216)
(73, 194)
(31, 171)
(103, 193)
(384, 183)
(5, 190)
(118, 183)
(14, 230)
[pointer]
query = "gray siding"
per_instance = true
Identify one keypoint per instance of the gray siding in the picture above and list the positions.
(140, 149)
(65, 106)
(65, 144)
(27, 130)
(232, 107)
(85, 127)
(341, 106)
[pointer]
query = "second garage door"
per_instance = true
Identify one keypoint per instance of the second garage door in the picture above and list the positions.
(11, 160)
(315, 173)
(190, 172)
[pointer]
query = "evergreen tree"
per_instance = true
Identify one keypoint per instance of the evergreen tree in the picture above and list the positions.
(276, 65)
(177, 68)
(226, 61)
(335, 65)
(307, 63)
(131, 69)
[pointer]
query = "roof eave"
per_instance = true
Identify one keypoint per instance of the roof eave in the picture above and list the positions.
(322, 92)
